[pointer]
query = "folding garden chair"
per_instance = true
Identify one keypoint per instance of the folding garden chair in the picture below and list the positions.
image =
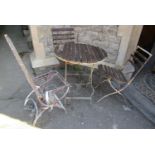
(48, 90)
(116, 78)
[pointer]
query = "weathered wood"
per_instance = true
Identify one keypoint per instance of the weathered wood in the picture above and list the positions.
(84, 53)
(71, 51)
(23, 68)
(62, 35)
(62, 29)
(112, 73)
(61, 38)
(77, 55)
(67, 51)
(97, 53)
(91, 57)
(91, 52)
(87, 54)
(81, 53)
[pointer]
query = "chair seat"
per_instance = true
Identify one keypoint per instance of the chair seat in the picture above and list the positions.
(113, 73)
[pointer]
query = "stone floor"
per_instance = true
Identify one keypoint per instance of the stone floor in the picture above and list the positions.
(113, 112)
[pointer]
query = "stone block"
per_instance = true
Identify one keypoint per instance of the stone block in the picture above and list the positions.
(97, 28)
(114, 46)
(101, 44)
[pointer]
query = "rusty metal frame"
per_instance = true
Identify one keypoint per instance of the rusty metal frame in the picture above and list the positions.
(48, 103)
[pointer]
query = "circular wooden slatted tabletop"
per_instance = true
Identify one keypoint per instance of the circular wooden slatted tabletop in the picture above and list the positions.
(81, 53)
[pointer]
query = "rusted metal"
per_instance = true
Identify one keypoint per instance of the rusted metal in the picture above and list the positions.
(53, 96)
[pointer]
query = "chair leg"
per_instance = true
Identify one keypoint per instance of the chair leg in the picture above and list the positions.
(65, 71)
(65, 101)
(38, 115)
(91, 81)
(113, 93)
(105, 96)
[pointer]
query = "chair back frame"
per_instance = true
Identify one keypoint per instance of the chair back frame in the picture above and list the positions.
(62, 35)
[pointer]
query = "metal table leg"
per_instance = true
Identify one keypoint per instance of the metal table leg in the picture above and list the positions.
(65, 71)
(91, 82)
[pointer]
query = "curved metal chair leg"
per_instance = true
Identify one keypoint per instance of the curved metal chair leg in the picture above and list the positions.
(106, 96)
(113, 93)
(38, 115)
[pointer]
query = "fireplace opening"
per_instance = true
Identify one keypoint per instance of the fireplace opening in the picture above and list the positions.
(145, 82)
(147, 37)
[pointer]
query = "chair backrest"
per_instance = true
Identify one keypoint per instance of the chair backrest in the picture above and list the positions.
(62, 35)
(139, 59)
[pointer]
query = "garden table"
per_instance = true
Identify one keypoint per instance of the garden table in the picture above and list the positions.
(81, 54)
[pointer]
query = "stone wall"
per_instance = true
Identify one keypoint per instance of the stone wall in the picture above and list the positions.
(98, 35)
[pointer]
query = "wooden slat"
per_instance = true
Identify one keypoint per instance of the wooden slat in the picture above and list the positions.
(65, 50)
(94, 53)
(101, 52)
(97, 53)
(106, 70)
(93, 58)
(84, 52)
(87, 53)
(62, 29)
(63, 38)
(113, 73)
(88, 56)
(77, 55)
(71, 52)
(62, 34)
(79, 51)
